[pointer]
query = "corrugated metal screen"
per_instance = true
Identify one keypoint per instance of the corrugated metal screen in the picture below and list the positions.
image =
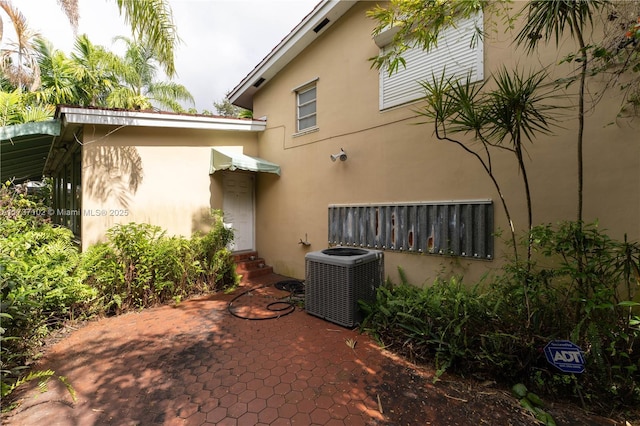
(448, 228)
(457, 52)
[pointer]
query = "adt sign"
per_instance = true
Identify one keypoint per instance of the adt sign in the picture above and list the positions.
(565, 356)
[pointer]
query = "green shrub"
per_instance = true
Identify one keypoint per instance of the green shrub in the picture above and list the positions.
(598, 286)
(44, 280)
(39, 284)
(444, 322)
(582, 286)
(140, 266)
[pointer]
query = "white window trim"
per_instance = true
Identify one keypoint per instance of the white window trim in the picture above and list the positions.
(311, 84)
(404, 86)
(304, 85)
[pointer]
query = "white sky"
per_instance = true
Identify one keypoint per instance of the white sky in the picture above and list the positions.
(222, 40)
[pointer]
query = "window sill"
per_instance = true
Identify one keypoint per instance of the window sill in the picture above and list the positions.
(306, 131)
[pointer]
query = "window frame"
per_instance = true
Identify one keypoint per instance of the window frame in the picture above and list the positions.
(299, 91)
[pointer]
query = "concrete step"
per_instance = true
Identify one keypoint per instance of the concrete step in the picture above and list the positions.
(250, 265)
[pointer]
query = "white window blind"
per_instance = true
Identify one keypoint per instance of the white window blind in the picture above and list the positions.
(458, 53)
(306, 108)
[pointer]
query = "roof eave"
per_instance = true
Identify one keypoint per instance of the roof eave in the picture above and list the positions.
(295, 42)
(107, 117)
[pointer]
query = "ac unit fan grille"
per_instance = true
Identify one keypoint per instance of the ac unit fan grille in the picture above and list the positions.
(332, 291)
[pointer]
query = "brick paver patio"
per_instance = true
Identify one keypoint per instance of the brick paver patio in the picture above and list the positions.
(197, 364)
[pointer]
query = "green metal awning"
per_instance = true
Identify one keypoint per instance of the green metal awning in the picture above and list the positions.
(24, 149)
(232, 158)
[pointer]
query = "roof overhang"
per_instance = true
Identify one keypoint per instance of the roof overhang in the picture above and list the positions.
(232, 158)
(313, 25)
(24, 149)
(111, 117)
(31, 150)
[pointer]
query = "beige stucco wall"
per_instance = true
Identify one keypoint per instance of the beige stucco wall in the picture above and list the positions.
(390, 159)
(152, 175)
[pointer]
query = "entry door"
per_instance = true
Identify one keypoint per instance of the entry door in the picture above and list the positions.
(237, 204)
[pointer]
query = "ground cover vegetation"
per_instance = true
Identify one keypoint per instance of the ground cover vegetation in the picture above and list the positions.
(45, 280)
(486, 331)
(575, 282)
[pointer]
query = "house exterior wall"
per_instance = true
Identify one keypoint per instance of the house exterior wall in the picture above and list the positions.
(152, 175)
(393, 159)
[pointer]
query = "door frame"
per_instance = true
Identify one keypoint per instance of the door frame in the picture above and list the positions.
(251, 178)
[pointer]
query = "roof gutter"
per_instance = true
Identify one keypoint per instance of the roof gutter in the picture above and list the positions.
(107, 117)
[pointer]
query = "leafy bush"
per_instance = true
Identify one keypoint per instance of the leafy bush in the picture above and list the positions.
(44, 280)
(140, 266)
(39, 283)
(440, 322)
(598, 286)
(581, 287)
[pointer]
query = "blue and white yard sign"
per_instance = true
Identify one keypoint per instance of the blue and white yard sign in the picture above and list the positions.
(565, 356)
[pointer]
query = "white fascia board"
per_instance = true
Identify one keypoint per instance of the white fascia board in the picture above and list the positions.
(151, 119)
(290, 47)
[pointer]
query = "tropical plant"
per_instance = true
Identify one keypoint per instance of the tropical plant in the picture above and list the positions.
(502, 118)
(39, 284)
(17, 58)
(485, 331)
(59, 85)
(150, 20)
(547, 19)
(15, 108)
(96, 72)
(139, 88)
(139, 266)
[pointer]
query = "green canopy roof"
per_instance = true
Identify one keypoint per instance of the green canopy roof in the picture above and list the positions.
(230, 158)
(24, 149)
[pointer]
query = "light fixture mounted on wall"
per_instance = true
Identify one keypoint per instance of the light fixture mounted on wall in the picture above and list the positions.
(341, 155)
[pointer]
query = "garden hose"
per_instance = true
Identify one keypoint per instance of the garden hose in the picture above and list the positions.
(280, 307)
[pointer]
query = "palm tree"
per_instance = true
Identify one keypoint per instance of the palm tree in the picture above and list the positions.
(95, 71)
(139, 88)
(18, 62)
(549, 19)
(16, 109)
(151, 20)
(56, 70)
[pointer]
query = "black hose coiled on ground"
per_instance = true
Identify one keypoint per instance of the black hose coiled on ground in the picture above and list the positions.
(280, 307)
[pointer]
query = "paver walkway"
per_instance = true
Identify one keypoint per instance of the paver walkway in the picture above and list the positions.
(197, 364)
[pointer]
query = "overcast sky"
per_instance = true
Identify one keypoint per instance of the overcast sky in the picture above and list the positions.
(222, 40)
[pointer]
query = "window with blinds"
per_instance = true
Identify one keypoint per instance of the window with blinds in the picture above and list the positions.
(453, 228)
(306, 107)
(459, 52)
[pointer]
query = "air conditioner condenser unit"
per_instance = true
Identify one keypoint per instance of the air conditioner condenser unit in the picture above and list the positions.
(337, 278)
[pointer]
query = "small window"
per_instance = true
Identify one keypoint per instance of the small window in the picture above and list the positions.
(306, 109)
